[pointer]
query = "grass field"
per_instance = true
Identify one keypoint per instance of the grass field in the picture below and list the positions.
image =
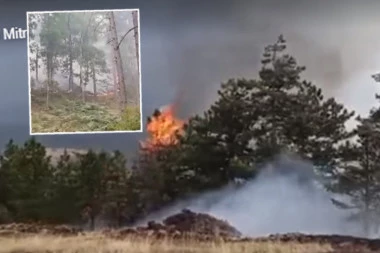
(72, 115)
(99, 244)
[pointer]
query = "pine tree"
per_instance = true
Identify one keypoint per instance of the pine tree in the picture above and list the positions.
(295, 116)
(66, 202)
(27, 172)
(254, 120)
(117, 192)
(359, 177)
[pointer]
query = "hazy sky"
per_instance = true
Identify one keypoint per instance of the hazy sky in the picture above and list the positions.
(191, 46)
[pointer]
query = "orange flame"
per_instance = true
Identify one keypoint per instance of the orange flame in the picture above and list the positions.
(163, 129)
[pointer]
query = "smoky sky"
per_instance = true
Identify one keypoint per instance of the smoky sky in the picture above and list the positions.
(190, 47)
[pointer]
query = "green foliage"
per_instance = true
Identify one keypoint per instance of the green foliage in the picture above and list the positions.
(26, 174)
(118, 201)
(65, 205)
(295, 116)
(224, 132)
(160, 177)
(33, 188)
(5, 216)
(51, 34)
(359, 177)
(67, 115)
(130, 120)
(254, 120)
(251, 122)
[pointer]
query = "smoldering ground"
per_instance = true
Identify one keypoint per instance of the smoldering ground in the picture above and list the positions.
(286, 197)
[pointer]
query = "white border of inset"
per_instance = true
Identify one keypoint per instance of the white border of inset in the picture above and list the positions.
(29, 74)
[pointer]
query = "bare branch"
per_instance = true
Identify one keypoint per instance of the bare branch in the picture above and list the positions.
(122, 38)
(108, 42)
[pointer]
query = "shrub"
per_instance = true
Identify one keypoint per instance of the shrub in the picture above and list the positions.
(130, 120)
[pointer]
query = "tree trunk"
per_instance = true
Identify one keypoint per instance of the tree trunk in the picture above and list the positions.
(81, 68)
(115, 88)
(366, 219)
(48, 81)
(71, 74)
(87, 74)
(115, 82)
(81, 84)
(366, 216)
(81, 81)
(118, 62)
(36, 62)
(136, 34)
(94, 79)
(52, 69)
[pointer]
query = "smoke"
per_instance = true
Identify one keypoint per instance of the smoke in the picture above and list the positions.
(285, 198)
(338, 47)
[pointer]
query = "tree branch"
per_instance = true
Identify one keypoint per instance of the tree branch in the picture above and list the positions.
(108, 42)
(122, 38)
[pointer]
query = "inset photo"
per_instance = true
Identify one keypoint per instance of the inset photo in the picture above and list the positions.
(84, 71)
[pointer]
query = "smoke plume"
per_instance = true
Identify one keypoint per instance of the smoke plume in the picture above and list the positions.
(338, 47)
(284, 198)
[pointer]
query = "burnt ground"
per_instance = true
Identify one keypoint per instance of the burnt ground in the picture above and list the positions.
(200, 227)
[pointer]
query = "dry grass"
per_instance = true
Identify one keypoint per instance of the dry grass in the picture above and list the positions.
(98, 244)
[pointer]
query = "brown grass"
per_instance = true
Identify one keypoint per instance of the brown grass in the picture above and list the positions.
(99, 244)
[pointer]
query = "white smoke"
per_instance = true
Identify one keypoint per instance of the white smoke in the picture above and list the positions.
(284, 198)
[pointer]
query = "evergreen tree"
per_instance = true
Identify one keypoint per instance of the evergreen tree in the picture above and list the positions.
(92, 169)
(117, 197)
(255, 120)
(67, 203)
(27, 172)
(157, 178)
(295, 115)
(51, 40)
(359, 176)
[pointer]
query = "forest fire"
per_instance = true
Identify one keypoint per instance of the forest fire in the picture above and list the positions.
(163, 128)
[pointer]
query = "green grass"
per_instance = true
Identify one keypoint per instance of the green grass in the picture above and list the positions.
(72, 115)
